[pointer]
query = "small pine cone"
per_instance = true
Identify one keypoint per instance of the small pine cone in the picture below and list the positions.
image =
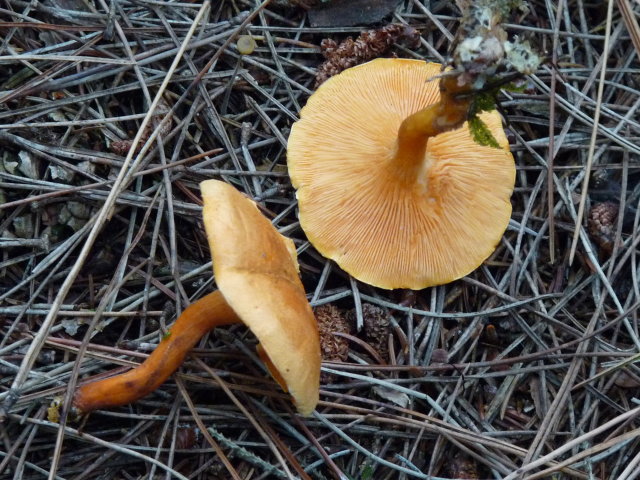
(377, 327)
(367, 46)
(332, 347)
(328, 47)
(330, 320)
(375, 43)
(121, 147)
(602, 224)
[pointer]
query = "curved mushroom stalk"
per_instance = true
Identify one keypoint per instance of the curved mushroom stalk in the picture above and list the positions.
(198, 318)
(449, 113)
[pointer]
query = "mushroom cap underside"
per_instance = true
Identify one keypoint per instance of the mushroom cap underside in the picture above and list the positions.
(256, 270)
(358, 209)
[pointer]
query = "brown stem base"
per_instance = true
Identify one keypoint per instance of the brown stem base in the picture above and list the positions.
(197, 319)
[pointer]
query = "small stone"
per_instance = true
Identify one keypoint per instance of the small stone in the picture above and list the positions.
(246, 44)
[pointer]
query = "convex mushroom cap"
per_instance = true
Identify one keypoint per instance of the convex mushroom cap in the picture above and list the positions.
(256, 270)
(394, 206)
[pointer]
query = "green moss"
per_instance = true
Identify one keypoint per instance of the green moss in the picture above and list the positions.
(481, 133)
(482, 102)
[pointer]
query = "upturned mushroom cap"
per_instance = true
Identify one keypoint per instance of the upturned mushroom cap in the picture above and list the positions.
(257, 272)
(386, 223)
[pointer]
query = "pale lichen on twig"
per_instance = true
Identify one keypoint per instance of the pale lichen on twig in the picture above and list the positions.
(483, 57)
(483, 49)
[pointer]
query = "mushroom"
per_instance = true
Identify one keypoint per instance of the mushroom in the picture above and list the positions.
(257, 275)
(390, 183)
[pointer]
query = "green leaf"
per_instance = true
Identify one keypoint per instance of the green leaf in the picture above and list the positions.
(481, 133)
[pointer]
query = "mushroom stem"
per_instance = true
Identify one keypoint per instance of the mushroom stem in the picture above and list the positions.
(197, 319)
(449, 113)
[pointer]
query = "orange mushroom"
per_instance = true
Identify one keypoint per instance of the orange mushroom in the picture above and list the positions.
(390, 183)
(257, 274)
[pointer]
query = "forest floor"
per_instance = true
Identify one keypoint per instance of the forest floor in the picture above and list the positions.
(525, 368)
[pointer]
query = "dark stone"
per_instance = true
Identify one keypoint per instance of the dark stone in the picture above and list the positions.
(347, 13)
